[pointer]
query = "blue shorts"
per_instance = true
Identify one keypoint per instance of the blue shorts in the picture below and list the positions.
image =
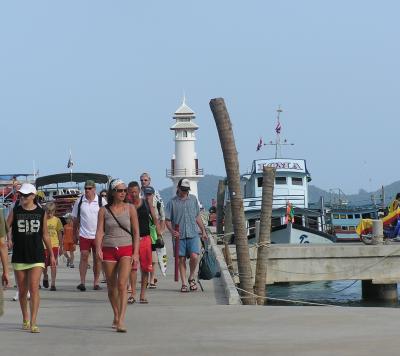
(188, 246)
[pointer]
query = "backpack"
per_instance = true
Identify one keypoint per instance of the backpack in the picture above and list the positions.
(208, 268)
(99, 200)
(152, 226)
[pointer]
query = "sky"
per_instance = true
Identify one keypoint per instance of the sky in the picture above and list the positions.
(103, 79)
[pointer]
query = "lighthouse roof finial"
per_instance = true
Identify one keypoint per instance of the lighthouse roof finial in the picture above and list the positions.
(184, 109)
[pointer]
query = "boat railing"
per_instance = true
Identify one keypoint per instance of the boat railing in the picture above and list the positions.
(278, 201)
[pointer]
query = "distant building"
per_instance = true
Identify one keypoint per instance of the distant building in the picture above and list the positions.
(184, 162)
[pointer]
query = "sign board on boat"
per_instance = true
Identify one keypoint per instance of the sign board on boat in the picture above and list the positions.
(280, 164)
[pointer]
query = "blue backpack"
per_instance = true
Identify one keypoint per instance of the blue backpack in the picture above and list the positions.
(208, 268)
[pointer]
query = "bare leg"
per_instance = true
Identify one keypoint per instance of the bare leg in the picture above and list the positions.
(96, 269)
(182, 269)
(124, 267)
(4, 258)
(143, 284)
(110, 269)
(22, 284)
(194, 258)
(83, 265)
(133, 280)
(33, 281)
(53, 272)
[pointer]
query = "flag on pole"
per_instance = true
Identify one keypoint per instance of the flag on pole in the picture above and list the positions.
(259, 144)
(70, 162)
(278, 128)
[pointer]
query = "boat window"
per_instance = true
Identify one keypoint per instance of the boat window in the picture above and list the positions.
(349, 216)
(336, 227)
(280, 180)
(356, 216)
(366, 216)
(297, 181)
(345, 228)
(259, 181)
(335, 216)
(343, 216)
(352, 228)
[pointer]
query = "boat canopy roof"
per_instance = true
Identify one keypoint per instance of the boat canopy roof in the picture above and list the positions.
(71, 177)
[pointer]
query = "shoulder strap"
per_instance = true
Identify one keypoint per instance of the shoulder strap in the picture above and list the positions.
(148, 210)
(119, 224)
(79, 207)
(100, 200)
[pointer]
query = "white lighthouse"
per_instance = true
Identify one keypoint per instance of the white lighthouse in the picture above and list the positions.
(184, 162)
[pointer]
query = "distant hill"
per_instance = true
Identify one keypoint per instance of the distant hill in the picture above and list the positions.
(209, 184)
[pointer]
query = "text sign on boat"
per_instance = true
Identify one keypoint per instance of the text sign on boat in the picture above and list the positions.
(281, 164)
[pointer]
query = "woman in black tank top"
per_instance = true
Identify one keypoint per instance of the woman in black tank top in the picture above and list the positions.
(29, 230)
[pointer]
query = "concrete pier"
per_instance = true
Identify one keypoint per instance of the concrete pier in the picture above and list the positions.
(196, 323)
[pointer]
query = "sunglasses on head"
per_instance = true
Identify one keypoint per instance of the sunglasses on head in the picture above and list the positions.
(25, 195)
(120, 190)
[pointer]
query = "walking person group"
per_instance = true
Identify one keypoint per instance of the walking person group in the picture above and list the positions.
(116, 230)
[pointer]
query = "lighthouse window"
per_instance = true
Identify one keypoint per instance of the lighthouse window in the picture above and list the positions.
(185, 134)
(259, 181)
(280, 180)
(297, 181)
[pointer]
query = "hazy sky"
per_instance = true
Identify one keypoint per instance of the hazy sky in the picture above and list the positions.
(104, 78)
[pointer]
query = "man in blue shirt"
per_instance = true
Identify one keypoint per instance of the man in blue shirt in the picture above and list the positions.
(182, 218)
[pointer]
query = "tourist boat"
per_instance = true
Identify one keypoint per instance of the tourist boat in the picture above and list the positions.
(343, 220)
(9, 184)
(299, 225)
(64, 188)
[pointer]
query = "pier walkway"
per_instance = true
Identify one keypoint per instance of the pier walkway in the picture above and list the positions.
(196, 323)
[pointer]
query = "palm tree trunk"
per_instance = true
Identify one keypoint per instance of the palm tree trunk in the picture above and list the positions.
(225, 132)
(265, 232)
(220, 207)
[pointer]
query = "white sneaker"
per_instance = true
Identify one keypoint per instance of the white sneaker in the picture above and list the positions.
(16, 297)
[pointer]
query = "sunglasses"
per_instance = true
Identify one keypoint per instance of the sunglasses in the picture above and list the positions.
(25, 195)
(88, 188)
(144, 180)
(120, 190)
(103, 195)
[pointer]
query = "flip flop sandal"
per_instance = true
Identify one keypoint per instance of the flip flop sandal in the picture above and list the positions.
(152, 286)
(35, 329)
(143, 301)
(131, 300)
(184, 289)
(192, 284)
(26, 325)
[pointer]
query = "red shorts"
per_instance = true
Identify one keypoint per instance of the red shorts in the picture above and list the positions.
(87, 244)
(145, 257)
(114, 254)
(47, 256)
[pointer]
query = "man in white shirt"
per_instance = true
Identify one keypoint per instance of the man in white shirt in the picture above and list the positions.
(85, 212)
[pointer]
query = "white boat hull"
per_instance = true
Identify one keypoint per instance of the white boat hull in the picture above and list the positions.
(293, 234)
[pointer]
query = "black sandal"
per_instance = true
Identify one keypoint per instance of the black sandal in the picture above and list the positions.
(192, 285)
(184, 288)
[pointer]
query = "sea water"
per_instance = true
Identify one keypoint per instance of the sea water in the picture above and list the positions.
(342, 293)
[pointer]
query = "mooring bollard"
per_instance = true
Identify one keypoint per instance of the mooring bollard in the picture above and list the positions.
(377, 232)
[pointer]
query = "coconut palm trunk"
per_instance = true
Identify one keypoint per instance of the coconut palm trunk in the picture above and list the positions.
(225, 132)
(265, 232)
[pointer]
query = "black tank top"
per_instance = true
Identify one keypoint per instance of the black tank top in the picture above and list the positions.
(143, 217)
(27, 231)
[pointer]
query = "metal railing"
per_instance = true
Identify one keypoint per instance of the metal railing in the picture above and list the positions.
(183, 172)
(279, 201)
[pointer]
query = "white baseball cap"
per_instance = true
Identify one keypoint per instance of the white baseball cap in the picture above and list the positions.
(184, 183)
(27, 188)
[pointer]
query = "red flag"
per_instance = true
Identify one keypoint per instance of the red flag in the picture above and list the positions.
(278, 128)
